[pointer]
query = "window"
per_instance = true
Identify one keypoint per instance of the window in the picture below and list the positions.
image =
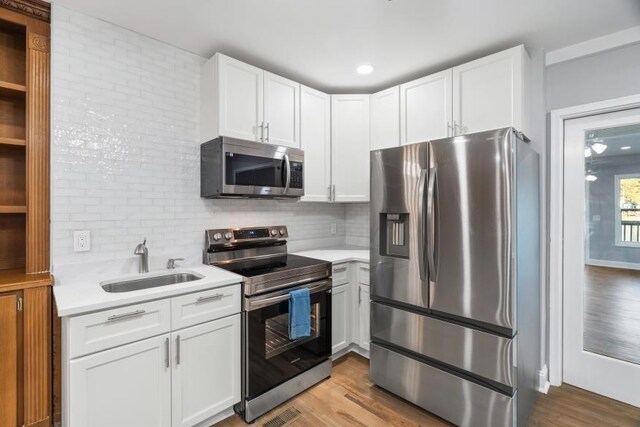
(627, 210)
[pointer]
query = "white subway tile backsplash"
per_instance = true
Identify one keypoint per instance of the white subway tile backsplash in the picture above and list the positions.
(357, 223)
(125, 157)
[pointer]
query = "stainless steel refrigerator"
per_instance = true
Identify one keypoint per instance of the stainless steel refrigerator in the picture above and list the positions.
(455, 262)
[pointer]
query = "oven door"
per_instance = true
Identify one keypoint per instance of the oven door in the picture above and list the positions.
(262, 170)
(271, 357)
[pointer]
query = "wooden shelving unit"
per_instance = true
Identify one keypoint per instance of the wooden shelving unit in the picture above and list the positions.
(25, 282)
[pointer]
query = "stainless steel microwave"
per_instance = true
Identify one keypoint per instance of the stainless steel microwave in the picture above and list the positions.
(232, 167)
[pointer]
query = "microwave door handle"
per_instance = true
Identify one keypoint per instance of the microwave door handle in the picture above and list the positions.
(431, 225)
(422, 182)
(288, 179)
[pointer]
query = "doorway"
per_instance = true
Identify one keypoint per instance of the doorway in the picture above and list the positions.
(601, 254)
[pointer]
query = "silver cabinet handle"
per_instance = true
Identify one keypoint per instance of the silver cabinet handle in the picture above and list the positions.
(339, 270)
(267, 132)
(334, 193)
(125, 315)
(456, 126)
(329, 192)
(261, 132)
(359, 295)
(177, 350)
(211, 298)
(166, 352)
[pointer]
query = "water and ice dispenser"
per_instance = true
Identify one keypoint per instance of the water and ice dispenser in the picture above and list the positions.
(394, 236)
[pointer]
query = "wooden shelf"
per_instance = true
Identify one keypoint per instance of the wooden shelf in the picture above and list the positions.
(12, 89)
(12, 209)
(18, 279)
(13, 142)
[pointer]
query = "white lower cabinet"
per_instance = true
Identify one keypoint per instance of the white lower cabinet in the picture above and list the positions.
(350, 307)
(340, 317)
(206, 370)
(364, 304)
(125, 386)
(175, 379)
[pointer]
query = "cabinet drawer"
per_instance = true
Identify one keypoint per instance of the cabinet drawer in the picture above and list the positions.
(192, 309)
(340, 274)
(110, 328)
(363, 274)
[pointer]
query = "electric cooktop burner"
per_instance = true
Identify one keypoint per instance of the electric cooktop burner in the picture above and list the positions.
(260, 256)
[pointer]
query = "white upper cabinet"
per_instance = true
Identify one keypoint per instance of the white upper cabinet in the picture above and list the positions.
(232, 99)
(489, 93)
(425, 108)
(241, 101)
(350, 128)
(315, 140)
(281, 111)
(385, 115)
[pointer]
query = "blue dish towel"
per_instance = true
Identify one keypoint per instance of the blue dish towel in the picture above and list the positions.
(299, 314)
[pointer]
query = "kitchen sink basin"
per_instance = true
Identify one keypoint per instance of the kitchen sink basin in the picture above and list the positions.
(149, 282)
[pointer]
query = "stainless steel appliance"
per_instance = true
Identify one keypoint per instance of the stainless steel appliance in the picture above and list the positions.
(455, 312)
(274, 368)
(235, 168)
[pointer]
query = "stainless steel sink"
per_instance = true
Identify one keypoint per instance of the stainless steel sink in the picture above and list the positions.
(149, 282)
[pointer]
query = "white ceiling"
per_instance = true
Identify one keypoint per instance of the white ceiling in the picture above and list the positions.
(321, 42)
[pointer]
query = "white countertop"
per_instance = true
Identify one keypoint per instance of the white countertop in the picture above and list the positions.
(338, 254)
(77, 295)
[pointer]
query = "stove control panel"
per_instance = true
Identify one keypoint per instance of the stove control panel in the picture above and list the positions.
(245, 236)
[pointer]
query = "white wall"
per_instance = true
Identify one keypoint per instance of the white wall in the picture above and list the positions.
(125, 154)
(606, 75)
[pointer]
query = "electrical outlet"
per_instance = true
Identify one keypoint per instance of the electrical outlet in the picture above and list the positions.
(81, 241)
(334, 228)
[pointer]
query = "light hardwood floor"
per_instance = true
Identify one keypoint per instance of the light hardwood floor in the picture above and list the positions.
(612, 312)
(348, 398)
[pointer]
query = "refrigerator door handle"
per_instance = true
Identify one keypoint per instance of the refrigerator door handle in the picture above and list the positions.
(422, 224)
(431, 225)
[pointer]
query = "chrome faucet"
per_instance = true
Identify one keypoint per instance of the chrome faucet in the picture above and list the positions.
(171, 264)
(142, 250)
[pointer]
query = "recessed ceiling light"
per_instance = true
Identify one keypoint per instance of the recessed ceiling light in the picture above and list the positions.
(626, 147)
(365, 69)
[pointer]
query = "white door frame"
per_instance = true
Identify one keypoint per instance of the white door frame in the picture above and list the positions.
(556, 228)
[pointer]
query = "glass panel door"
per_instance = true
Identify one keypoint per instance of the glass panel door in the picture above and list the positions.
(601, 337)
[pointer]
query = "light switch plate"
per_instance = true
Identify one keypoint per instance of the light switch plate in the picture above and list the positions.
(81, 241)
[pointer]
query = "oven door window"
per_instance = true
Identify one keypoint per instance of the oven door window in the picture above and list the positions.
(243, 169)
(272, 357)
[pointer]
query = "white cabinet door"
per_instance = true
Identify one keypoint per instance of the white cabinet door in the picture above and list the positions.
(425, 108)
(341, 310)
(350, 132)
(126, 386)
(385, 118)
(281, 111)
(315, 140)
(363, 316)
(206, 370)
(240, 104)
(489, 93)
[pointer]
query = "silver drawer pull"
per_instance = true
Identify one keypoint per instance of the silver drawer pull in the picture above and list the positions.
(211, 298)
(339, 270)
(125, 315)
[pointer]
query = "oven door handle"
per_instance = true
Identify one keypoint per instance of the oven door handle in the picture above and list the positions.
(265, 302)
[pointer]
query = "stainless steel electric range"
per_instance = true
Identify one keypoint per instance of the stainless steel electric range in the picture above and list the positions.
(274, 368)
